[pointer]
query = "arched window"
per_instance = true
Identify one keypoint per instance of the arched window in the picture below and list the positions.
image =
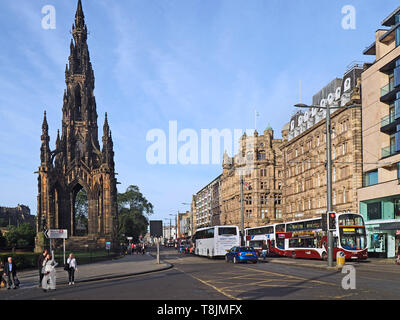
(78, 103)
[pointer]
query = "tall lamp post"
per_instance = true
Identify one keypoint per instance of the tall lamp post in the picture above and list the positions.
(328, 170)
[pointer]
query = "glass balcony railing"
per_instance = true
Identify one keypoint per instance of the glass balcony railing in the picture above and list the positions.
(388, 151)
(388, 119)
(386, 89)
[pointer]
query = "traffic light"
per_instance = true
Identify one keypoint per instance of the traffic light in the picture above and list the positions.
(331, 220)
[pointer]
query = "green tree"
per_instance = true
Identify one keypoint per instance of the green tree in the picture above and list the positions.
(21, 236)
(81, 212)
(133, 212)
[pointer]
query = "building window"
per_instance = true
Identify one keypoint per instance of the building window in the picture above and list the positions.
(370, 178)
(398, 171)
(374, 211)
(261, 155)
(344, 195)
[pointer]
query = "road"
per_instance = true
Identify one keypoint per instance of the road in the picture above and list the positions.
(198, 278)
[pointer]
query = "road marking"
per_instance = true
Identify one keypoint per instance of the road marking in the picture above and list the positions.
(210, 285)
(289, 276)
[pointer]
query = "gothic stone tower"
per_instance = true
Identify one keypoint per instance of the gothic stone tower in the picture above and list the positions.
(77, 161)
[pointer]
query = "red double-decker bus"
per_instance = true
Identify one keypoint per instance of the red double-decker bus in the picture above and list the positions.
(306, 239)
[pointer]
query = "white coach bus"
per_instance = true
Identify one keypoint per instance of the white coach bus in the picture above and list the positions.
(214, 241)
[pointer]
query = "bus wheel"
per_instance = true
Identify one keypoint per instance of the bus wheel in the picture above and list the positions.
(324, 256)
(294, 254)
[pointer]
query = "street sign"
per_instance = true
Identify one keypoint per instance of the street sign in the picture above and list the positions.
(129, 238)
(108, 245)
(156, 228)
(56, 234)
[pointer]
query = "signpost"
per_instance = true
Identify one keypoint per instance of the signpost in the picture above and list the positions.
(156, 231)
(108, 247)
(56, 234)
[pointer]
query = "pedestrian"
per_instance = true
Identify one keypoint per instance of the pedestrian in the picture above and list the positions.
(137, 248)
(264, 251)
(49, 270)
(40, 266)
(143, 248)
(10, 273)
(132, 248)
(398, 255)
(2, 280)
(72, 267)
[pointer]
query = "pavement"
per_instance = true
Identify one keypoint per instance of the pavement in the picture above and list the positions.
(128, 265)
(319, 264)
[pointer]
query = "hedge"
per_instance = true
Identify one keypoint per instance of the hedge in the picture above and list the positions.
(23, 260)
(28, 260)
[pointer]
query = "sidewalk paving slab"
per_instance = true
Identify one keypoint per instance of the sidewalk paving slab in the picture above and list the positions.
(128, 265)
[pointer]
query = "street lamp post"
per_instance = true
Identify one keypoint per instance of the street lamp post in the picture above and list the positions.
(328, 169)
(241, 211)
(328, 174)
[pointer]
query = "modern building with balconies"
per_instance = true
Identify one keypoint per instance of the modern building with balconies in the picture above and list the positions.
(379, 198)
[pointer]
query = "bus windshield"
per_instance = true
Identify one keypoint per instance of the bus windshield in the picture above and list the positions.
(353, 238)
(350, 220)
(231, 231)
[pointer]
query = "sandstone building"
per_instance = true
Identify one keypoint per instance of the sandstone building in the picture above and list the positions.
(259, 161)
(304, 152)
(379, 197)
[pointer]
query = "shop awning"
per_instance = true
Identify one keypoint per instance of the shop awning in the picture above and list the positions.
(389, 226)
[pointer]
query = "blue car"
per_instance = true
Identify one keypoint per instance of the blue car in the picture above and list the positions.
(241, 254)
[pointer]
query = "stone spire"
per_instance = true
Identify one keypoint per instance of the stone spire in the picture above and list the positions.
(45, 148)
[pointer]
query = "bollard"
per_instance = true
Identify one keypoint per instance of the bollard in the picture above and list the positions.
(340, 259)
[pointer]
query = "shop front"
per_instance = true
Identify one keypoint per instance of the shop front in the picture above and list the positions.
(382, 224)
(383, 239)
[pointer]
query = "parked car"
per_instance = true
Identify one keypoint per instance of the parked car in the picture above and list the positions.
(241, 254)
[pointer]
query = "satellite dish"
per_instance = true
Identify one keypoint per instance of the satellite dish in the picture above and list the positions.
(347, 84)
(330, 98)
(292, 125)
(338, 93)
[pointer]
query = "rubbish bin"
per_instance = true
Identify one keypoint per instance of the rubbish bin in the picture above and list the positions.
(340, 259)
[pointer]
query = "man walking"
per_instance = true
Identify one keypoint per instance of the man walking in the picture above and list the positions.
(10, 273)
(40, 266)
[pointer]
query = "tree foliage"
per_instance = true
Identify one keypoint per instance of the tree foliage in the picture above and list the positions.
(81, 212)
(133, 212)
(21, 236)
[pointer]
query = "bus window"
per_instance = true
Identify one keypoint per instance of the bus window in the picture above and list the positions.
(227, 231)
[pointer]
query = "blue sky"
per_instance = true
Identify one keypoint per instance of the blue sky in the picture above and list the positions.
(204, 63)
